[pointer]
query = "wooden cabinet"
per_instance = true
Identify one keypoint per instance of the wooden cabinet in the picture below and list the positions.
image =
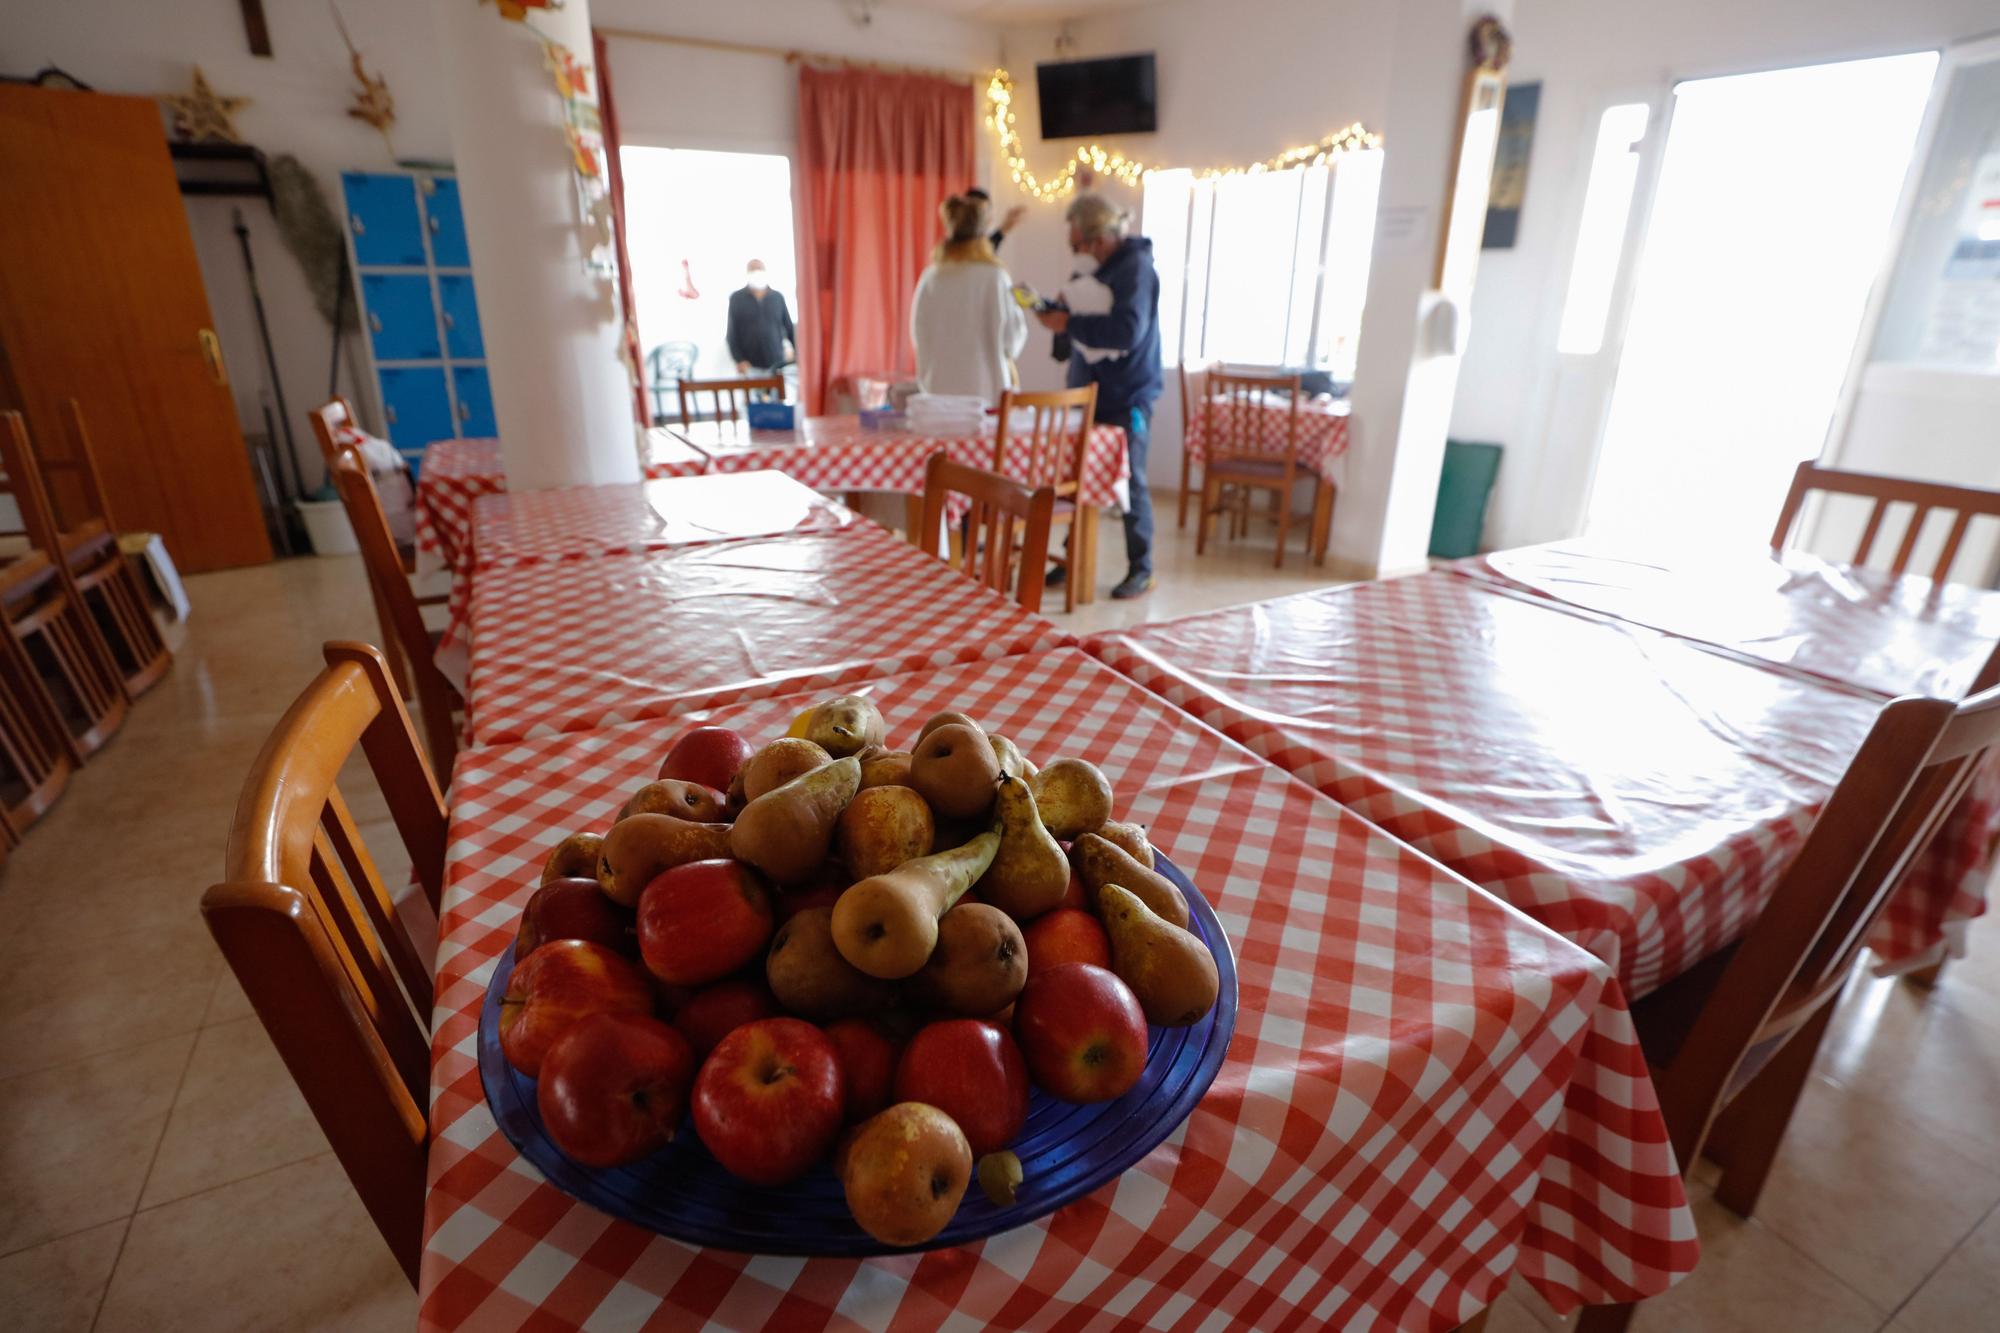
(101, 299)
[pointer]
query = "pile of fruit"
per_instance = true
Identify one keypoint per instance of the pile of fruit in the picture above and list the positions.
(827, 947)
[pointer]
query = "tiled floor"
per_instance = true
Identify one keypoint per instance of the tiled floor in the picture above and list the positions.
(159, 1172)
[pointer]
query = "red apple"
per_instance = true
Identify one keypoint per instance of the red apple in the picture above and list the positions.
(791, 904)
(972, 1071)
(713, 1012)
(710, 756)
(574, 909)
(768, 1100)
(1082, 1031)
(1065, 935)
(701, 921)
(867, 1064)
(1073, 895)
(614, 1088)
(558, 984)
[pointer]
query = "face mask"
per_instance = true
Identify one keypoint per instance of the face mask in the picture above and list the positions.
(758, 282)
(1082, 263)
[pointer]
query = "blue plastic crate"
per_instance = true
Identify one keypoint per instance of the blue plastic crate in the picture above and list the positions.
(771, 416)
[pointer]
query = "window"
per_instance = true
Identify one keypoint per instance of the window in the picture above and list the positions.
(1268, 268)
(1600, 240)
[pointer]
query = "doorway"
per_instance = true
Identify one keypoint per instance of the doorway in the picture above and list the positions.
(1773, 204)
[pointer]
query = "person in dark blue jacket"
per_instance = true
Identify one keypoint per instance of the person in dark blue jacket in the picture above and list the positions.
(1118, 349)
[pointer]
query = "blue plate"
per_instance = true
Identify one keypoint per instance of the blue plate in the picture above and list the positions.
(1066, 1150)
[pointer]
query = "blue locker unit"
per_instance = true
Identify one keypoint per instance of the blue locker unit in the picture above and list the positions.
(412, 276)
(475, 401)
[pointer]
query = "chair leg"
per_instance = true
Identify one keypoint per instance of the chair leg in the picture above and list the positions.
(1283, 500)
(1605, 1318)
(1085, 573)
(1211, 493)
(1070, 554)
(1324, 494)
(1187, 472)
(1753, 1125)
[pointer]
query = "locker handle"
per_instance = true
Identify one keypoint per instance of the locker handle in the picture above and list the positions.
(464, 412)
(389, 411)
(374, 322)
(211, 355)
(356, 224)
(434, 223)
(449, 322)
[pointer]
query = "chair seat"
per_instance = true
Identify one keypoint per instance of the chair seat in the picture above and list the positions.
(1250, 469)
(24, 575)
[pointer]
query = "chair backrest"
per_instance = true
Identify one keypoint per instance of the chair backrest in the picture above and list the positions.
(24, 482)
(312, 932)
(1964, 503)
(1194, 388)
(729, 400)
(329, 419)
(1238, 414)
(1047, 449)
(82, 499)
(667, 365)
(398, 603)
(1912, 769)
(990, 551)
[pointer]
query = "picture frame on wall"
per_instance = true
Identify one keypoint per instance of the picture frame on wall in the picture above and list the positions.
(1510, 166)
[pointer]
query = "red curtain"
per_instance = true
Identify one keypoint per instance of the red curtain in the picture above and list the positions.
(877, 153)
(628, 307)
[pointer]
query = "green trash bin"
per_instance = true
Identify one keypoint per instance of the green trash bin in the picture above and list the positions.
(1469, 471)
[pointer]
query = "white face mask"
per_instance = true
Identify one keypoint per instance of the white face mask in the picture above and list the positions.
(1083, 263)
(758, 282)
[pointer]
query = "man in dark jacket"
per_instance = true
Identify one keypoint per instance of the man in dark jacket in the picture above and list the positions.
(760, 327)
(1119, 351)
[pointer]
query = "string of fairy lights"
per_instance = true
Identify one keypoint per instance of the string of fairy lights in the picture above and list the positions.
(1105, 162)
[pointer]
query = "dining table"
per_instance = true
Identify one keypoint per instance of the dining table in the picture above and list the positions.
(1264, 427)
(1427, 1095)
(1638, 792)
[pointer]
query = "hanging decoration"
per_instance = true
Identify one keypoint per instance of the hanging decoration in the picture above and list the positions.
(583, 130)
(204, 114)
(516, 11)
(1088, 163)
(373, 105)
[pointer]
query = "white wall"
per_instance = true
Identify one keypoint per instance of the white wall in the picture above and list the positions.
(1589, 55)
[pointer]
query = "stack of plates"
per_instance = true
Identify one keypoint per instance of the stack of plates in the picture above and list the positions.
(946, 414)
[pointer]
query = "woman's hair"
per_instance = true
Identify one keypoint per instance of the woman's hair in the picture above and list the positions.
(965, 225)
(1095, 216)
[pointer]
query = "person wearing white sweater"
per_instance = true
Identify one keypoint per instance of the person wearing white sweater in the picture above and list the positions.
(964, 320)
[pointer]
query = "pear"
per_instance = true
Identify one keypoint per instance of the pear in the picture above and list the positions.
(947, 720)
(809, 976)
(1074, 797)
(673, 796)
(889, 769)
(887, 925)
(1131, 837)
(846, 725)
(954, 768)
(881, 828)
(786, 832)
(638, 849)
(1029, 874)
(575, 857)
(779, 762)
(1099, 862)
(1170, 971)
(979, 964)
(1010, 757)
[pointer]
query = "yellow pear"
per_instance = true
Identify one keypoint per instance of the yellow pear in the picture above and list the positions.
(639, 848)
(846, 725)
(1099, 862)
(954, 768)
(575, 857)
(1074, 797)
(1170, 971)
(1029, 874)
(1010, 757)
(887, 924)
(1132, 837)
(778, 763)
(787, 831)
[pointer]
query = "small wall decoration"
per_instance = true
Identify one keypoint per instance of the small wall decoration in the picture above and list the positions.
(583, 130)
(516, 11)
(1510, 165)
(374, 104)
(204, 114)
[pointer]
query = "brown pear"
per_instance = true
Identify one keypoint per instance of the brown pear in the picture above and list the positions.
(1029, 873)
(811, 979)
(846, 725)
(638, 849)
(1010, 757)
(778, 763)
(787, 832)
(575, 857)
(1099, 862)
(954, 768)
(673, 796)
(886, 770)
(887, 925)
(1170, 971)
(881, 828)
(979, 964)
(1073, 796)
(1131, 837)
(946, 720)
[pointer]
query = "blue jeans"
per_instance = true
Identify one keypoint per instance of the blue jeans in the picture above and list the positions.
(1139, 514)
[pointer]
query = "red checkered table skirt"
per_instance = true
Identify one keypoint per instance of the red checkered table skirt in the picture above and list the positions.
(1322, 432)
(1636, 792)
(575, 645)
(1426, 1093)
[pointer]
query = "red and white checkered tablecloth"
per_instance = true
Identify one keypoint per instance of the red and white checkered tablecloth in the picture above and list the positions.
(1633, 791)
(837, 454)
(1322, 432)
(457, 472)
(1425, 1094)
(675, 631)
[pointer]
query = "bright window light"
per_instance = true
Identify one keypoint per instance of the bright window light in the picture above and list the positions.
(1607, 206)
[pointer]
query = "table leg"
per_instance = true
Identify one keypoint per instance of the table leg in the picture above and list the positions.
(1324, 494)
(1085, 573)
(913, 519)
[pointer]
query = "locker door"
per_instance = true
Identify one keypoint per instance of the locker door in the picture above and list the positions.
(382, 214)
(462, 339)
(402, 323)
(417, 404)
(475, 401)
(446, 220)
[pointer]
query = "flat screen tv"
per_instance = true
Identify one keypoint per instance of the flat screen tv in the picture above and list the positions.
(1114, 95)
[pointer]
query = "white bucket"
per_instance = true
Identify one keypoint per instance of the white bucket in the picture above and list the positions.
(328, 528)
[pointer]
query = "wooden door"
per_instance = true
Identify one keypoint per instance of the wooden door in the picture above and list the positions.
(101, 299)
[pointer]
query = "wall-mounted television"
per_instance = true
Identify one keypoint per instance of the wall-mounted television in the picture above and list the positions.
(1113, 95)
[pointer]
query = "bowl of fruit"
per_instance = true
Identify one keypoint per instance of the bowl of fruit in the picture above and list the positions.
(826, 998)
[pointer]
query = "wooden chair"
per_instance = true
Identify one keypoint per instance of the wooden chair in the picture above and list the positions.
(1232, 411)
(47, 616)
(1731, 1041)
(726, 395)
(1964, 503)
(1194, 389)
(312, 932)
(1050, 453)
(36, 755)
(330, 420)
(990, 549)
(436, 697)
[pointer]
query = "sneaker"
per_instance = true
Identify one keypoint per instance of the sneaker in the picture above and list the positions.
(1057, 575)
(1135, 585)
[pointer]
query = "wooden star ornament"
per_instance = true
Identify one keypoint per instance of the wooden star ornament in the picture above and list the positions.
(204, 113)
